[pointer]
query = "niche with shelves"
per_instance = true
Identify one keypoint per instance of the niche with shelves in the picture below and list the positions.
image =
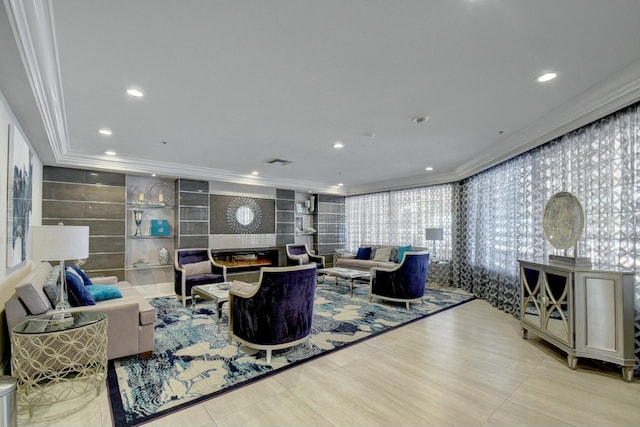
(149, 248)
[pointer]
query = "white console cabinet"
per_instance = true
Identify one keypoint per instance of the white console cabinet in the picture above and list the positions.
(586, 313)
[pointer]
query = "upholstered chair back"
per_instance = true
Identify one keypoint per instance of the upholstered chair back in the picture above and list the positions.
(281, 309)
(195, 267)
(405, 282)
(300, 255)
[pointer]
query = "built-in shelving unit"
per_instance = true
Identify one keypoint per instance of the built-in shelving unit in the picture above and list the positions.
(154, 199)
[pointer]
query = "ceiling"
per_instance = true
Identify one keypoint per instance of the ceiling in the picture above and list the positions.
(230, 85)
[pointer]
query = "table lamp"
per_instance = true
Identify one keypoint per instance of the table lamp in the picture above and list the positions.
(434, 234)
(59, 242)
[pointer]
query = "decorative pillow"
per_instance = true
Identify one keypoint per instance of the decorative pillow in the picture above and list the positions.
(76, 290)
(394, 254)
(401, 251)
(85, 278)
(383, 254)
(104, 292)
(31, 290)
(202, 267)
(363, 253)
(52, 285)
(304, 258)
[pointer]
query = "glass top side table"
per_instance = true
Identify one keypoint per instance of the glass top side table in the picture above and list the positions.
(54, 361)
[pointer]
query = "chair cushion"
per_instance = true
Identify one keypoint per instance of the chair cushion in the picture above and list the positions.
(204, 279)
(363, 253)
(202, 267)
(304, 258)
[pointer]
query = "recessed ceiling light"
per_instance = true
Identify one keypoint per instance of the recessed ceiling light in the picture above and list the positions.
(340, 184)
(110, 153)
(135, 92)
(104, 131)
(338, 145)
(153, 174)
(255, 173)
(428, 168)
(546, 77)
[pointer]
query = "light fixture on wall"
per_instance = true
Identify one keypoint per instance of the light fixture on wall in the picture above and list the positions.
(59, 242)
(434, 234)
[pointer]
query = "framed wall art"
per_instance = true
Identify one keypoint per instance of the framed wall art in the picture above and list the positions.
(19, 196)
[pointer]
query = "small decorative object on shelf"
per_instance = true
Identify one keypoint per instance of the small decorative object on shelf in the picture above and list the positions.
(161, 193)
(163, 256)
(160, 227)
(137, 214)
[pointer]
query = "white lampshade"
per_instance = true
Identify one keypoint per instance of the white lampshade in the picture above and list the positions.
(59, 242)
(434, 234)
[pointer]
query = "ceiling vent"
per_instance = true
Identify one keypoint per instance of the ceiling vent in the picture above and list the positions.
(280, 162)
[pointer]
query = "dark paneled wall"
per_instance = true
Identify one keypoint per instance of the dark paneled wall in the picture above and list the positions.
(93, 198)
(218, 214)
(285, 217)
(193, 215)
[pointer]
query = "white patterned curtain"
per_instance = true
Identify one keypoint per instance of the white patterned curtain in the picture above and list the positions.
(493, 219)
(502, 207)
(401, 217)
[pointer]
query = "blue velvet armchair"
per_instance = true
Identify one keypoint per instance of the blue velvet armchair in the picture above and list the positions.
(404, 283)
(276, 312)
(195, 267)
(300, 255)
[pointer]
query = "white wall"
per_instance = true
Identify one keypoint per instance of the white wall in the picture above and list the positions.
(8, 276)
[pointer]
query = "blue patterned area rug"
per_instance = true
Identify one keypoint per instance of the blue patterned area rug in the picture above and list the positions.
(193, 362)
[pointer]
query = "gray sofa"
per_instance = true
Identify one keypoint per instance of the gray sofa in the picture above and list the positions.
(350, 261)
(131, 319)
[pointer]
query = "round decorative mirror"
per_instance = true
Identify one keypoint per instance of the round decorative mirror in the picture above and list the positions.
(563, 220)
(244, 215)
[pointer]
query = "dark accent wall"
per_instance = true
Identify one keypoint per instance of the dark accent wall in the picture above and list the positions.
(193, 214)
(93, 198)
(285, 217)
(218, 215)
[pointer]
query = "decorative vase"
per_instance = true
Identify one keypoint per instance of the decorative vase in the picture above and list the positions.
(137, 216)
(163, 256)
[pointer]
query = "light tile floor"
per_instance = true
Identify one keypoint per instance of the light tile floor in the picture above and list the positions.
(466, 366)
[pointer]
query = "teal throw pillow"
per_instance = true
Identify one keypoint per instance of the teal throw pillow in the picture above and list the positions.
(104, 292)
(401, 251)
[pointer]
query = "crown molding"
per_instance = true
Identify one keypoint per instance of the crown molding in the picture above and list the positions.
(33, 29)
(147, 167)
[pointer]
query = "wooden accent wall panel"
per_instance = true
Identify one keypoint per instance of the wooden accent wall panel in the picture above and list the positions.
(93, 198)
